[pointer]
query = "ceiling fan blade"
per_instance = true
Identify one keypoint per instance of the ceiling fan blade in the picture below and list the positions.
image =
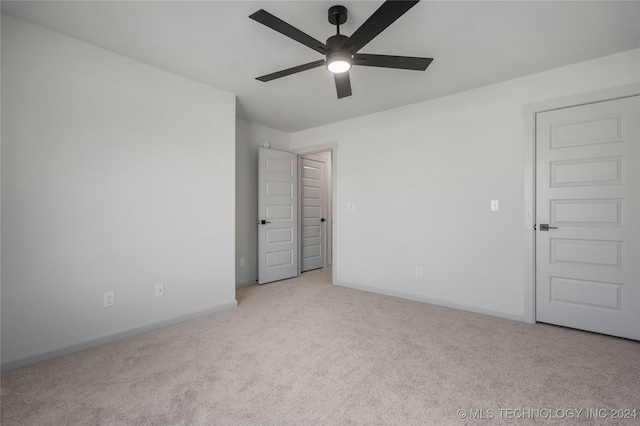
(387, 61)
(386, 15)
(265, 18)
(289, 71)
(343, 84)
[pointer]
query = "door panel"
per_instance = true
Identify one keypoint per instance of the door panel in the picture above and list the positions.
(587, 172)
(588, 187)
(606, 212)
(277, 206)
(313, 213)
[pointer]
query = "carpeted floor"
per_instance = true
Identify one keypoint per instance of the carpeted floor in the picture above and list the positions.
(303, 351)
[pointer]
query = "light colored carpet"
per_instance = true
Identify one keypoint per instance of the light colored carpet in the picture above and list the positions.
(302, 351)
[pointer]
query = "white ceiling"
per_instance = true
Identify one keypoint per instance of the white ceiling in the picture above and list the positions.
(473, 44)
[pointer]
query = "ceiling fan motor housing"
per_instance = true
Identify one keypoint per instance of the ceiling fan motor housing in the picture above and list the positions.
(334, 42)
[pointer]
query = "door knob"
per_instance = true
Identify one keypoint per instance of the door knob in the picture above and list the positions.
(546, 227)
(323, 220)
(263, 222)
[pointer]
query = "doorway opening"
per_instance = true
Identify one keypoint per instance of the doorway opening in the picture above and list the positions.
(328, 154)
(281, 212)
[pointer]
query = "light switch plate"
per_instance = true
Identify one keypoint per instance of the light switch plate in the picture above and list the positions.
(495, 205)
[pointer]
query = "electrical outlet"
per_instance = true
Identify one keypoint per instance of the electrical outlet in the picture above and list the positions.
(159, 290)
(418, 271)
(109, 299)
(242, 261)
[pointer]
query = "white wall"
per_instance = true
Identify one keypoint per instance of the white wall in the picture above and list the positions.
(249, 137)
(115, 176)
(422, 177)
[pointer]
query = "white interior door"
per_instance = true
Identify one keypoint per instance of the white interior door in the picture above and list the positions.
(313, 214)
(588, 193)
(278, 215)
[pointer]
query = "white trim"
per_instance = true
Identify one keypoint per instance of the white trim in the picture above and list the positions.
(431, 301)
(530, 112)
(299, 201)
(333, 147)
(92, 343)
(529, 217)
(584, 98)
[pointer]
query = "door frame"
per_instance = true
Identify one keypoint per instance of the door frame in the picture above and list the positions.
(333, 147)
(530, 111)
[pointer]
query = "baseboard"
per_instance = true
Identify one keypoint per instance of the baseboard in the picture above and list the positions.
(92, 343)
(254, 282)
(431, 301)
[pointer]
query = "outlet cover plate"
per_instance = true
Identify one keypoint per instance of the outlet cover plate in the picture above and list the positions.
(109, 299)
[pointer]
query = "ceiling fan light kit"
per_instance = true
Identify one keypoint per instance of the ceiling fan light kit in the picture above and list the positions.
(341, 52)
(338, 62)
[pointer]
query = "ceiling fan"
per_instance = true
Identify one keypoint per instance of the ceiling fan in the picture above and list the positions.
(341, 52)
